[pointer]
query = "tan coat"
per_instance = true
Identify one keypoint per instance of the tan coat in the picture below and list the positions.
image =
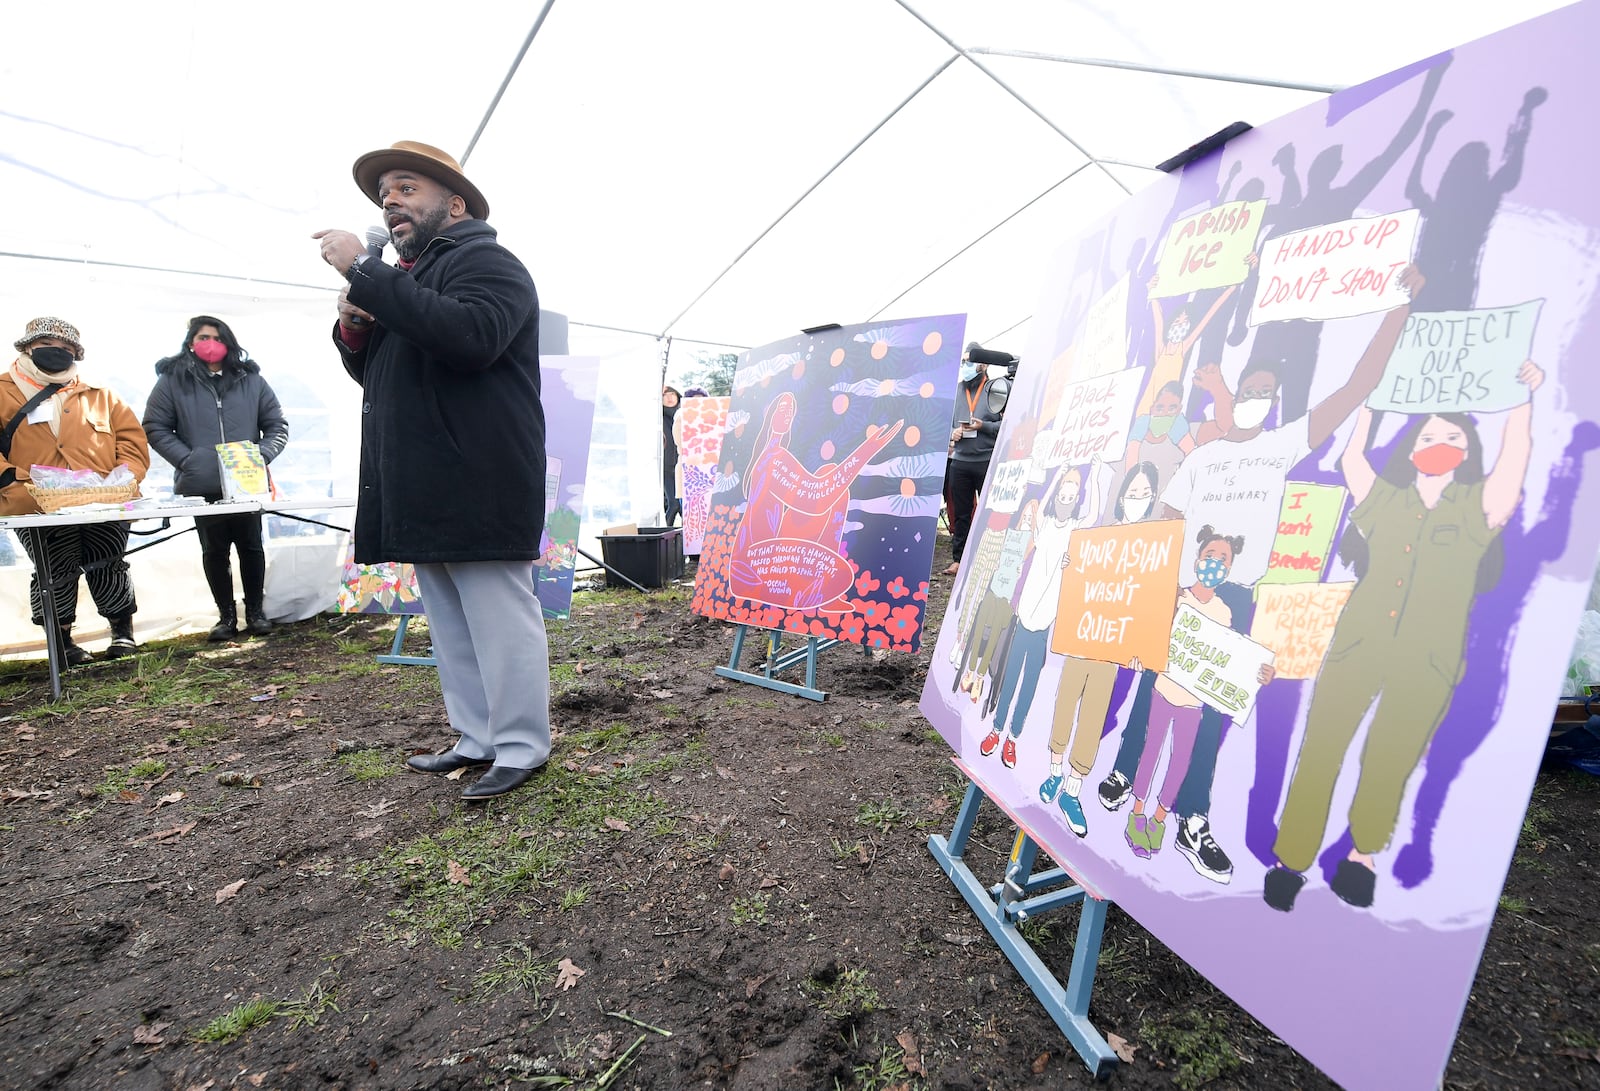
(98, 431)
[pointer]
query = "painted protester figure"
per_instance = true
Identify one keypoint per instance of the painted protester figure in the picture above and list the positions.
(1429, 525)
(995, 613)
(1083, 697)
(1215, 487)
(1180, 337)
(1173, 709)
(1165, 436)
(1036, 609)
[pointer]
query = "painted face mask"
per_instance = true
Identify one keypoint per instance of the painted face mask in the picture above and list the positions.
(1178, 331)
(1161, 425)
(211, 352)
(1438, 459)
(1135, 510)
(969, 372)
(1211, 571)
(1249, 413)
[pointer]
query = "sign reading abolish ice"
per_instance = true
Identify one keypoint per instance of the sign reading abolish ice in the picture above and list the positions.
(1460, 361)
(1386, 490)
(1336, 270)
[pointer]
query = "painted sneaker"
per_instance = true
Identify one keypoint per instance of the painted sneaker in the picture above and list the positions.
(1008, 754)
(1154, 831)
(990, 741)
(1073, 809)
(1138, 839)
(1114, 791)
(1194, 840)
(1051, 785)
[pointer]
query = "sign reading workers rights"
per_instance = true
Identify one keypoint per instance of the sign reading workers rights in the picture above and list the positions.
(1337, 270)
(1118, 593)
(1459, 361)
(1207, 250)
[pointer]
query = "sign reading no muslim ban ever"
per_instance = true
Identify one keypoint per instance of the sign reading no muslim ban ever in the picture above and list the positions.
(1118, 593)
(1207, 250)
(1459, 361)
(1336, 270)
(1214, 664)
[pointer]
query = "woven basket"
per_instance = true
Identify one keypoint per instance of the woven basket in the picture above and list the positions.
(56, 499)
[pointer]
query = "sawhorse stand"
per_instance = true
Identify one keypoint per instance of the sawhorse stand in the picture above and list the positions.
(1023, 895)
(395, 656)
(776, 662)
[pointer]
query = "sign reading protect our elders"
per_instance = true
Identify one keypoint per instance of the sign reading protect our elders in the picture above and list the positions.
(1208, 249)
(1118, 592)
(1460, 361)
(1337, 270)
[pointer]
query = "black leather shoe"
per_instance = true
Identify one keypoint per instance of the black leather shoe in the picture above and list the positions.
(499, 780)
(448, 762)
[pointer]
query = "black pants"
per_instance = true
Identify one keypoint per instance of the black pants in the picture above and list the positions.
(963, 481)
(94, 551)
(220, 533)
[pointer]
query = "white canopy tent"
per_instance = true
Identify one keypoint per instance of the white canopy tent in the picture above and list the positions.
(676, 176)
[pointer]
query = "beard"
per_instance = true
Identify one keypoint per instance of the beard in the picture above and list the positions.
(423, 231)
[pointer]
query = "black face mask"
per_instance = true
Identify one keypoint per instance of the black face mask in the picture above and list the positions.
(51, 361)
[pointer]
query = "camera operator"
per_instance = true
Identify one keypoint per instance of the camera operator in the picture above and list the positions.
(974, 425)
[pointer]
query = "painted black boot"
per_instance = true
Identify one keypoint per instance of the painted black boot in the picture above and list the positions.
(227, 626)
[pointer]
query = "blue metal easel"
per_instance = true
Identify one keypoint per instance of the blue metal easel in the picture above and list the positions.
(394, 655)
(1025, 893)
(776, 662)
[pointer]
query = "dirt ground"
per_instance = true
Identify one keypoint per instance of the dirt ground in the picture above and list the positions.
(216, 873)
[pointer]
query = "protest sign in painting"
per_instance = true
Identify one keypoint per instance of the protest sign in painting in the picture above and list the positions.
(827, 501)
(1384, 506)
(568, 393)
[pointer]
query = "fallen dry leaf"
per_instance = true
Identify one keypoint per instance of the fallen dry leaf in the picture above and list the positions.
(571, 766)
(661, 694)
(297, 711)
(913, 1062)
(963, 939)
(378, 809)
(939, 804)
(752, 985)
(229, 891)
(369, 831)
(723, 772)
(12, 795)
(173, 797)
(1039, 1063)
(456, 774)
(70, 752)
(415, 860)
(862, 856)
(207, 1086)
(567, 974)
(768, 883)
(163, 835)
(1121, 1047)
(455, 873)
(232, 758)
(616, 824)
(580, 668)
(129, 796)
(725, 873)
(257, 1080)
(1580, 1054)
(149, 1034)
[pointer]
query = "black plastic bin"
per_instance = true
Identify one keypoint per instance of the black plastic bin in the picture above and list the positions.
(651, 558)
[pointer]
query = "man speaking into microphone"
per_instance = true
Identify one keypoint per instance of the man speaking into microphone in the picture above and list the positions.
(446, 349)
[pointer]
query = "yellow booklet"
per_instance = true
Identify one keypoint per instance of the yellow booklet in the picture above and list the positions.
(244, 471)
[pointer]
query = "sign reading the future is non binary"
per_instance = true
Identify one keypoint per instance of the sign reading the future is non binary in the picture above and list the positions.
(1302, 544)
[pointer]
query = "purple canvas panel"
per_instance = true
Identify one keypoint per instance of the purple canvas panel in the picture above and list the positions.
(1333, 858)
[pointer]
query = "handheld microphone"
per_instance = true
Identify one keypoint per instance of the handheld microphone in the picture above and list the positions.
(377, 239)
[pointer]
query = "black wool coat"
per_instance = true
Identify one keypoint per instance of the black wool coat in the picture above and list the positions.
(188, 413)
(452, 427)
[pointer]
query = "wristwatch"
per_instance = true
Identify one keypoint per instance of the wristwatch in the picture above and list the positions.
(354, 265)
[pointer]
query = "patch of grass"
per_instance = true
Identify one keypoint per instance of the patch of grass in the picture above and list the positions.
(1511, 904)
(750, 909)
(875, 725)
(833, 739)
(573, 897)
(1037, 931)
(318, 999)
(243, 1017)
(844, 850)
(514, 969)
(882, 815)
(347, 646)
(669, 711)
(370, 764)
(848, 993)
(1201, 1051)
(1578, 1038)
(887, 1070)
(122, 780)
(203, 734)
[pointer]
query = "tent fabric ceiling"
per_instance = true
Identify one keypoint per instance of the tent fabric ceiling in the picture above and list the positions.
(720, 170)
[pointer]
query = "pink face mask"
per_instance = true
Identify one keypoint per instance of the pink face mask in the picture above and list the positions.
(211, 352)
(1438, 459)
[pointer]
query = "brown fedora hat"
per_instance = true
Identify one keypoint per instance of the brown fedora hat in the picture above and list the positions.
(426, 160)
